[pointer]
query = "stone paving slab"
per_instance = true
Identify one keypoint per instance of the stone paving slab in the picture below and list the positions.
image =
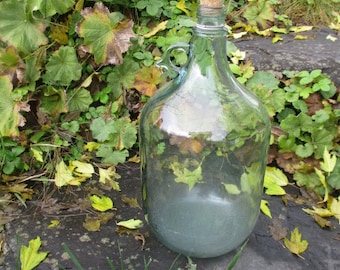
(93, 248)
(316, 52)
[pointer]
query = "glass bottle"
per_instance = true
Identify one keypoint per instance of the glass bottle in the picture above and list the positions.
(203, 149)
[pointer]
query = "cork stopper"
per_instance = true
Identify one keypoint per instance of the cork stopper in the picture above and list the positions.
(212, 3)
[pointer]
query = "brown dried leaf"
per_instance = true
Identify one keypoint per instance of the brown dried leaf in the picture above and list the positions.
(277, 230)
(132, 202)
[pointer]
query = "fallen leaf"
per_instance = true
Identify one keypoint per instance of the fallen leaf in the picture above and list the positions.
(108, 177)
(302, 28)
(54, 223)
(30, 257)
(301, 37)
(102, 203)
(331, 38)
(334, 206)
(131, 224)
(81, 168)
(132, 202)
(265, 209)
(92, 224)
(277, 230)
(295, 244)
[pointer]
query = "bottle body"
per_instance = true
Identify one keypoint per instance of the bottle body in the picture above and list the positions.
(204, 141)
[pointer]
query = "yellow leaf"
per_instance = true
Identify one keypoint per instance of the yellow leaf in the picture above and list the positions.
(274, 179)
(108, 177)
(102, 204)
(265, 209)
(54, 223)
(231, 189)
(329, 161)
(91, 146)
(331, 38)
(37, 154)
(59, 33)
(295, 244)
(302, 28)
(159, 27)
(81, 168)
(301, 37)
(64, 175)
(334, 206)
(131, 224)
(239, 34)
(181, 5)
(92, 224)
(334, 26)
(29, 256)
(276, 38)
(319, 211)
(323, 182)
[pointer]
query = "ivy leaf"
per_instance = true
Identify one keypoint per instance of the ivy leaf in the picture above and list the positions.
(79, 100)
(333, 178)
(126, 134)
(102, 203)
(111, 156)
(260, 12)
(131, 224)
(63, 67)
(105, 35)
(53, 101)
(295, 244)
(9, 109)
(19, 27)
(183, 175)
(101, 129)
(51, 7)
(304, 150)
(147, 79)
(30, 257)
(123, 76)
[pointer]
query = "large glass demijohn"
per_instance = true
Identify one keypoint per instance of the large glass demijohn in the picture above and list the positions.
(203, 149)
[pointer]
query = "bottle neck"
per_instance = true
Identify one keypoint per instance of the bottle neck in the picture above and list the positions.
(209, 40)
(210, 20)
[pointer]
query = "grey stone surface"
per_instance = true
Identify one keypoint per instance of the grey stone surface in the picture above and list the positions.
(316, 52)
(93, 248)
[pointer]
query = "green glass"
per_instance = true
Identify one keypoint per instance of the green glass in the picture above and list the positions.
(203, 149)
